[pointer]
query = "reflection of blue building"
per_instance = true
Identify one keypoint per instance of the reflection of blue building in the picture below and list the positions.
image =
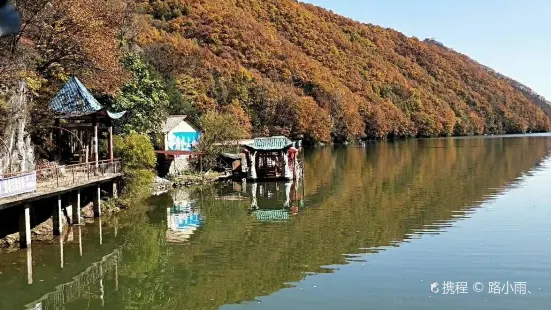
(182, 219)
(185, 219)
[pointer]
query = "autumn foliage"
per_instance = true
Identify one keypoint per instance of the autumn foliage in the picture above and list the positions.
(301, 70)
(280, 67)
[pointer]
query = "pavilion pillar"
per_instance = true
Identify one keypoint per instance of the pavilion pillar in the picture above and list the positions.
(57, 124)
(286, 169)
(95, 143)
(252, 168)
(110, 144)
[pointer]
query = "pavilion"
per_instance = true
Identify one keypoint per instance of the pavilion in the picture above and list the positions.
(79, 118)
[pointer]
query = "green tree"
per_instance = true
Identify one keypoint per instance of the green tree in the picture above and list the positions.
(139, 159)
(221, 131)
(144, 98)
(136, 151)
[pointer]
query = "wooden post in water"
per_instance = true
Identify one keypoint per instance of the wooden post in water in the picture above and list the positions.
(97, 202)
(57, 218)
(25, 227)
(76, 209)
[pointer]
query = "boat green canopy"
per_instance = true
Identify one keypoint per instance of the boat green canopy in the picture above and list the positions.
(270, 143)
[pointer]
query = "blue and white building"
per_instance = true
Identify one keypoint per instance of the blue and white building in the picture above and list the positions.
(180, 134)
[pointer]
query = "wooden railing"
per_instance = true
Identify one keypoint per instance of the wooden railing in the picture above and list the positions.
(70, 175)
(64, 176)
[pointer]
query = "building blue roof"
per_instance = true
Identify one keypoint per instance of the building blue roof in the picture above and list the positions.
(74, 99)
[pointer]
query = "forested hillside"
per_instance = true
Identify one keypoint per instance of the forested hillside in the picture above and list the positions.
(280, 66)
(299, 69)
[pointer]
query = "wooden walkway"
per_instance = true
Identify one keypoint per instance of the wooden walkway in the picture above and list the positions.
(57, 180)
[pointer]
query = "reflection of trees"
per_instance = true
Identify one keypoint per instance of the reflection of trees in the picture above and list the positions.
(147, 268)
(367, 198)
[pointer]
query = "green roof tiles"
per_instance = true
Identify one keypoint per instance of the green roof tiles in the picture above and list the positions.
(270, 143)
(74, 99)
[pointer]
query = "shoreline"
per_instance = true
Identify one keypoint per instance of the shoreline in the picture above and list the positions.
(163, 185)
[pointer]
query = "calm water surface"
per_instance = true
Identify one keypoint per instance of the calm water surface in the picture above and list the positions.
(367, 228)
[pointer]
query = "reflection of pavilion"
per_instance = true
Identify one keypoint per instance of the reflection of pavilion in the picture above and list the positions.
(183, 218)
(275, 201)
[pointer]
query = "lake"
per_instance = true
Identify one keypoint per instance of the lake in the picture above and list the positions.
(462, 223)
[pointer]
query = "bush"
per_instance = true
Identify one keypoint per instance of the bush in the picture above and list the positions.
(135, 150)
(138, 156)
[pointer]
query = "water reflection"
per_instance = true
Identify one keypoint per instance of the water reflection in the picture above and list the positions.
(82, 283)
(275, 201)
(209, 247)
(183, 217)
(29, 266)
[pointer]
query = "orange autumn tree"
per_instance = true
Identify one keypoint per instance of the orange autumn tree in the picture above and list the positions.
(64, 38)
(76, 37)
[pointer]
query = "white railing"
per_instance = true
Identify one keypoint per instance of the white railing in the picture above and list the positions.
(57, 176)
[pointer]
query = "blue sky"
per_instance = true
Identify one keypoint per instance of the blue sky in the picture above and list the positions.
(510, 36)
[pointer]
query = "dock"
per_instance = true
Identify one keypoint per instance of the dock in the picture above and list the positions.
(19, 190)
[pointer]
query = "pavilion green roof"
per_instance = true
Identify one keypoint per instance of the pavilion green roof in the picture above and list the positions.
(74, 100)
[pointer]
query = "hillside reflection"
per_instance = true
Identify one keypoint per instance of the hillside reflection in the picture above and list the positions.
(356, 200)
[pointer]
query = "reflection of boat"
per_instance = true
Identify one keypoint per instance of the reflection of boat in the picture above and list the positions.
(182, 219)
(271, 215)
(231, 198)
(268, 203)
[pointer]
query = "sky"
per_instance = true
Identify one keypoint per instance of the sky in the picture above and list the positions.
(511, 36)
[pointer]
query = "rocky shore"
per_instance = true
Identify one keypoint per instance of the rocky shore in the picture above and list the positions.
(161, 185)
